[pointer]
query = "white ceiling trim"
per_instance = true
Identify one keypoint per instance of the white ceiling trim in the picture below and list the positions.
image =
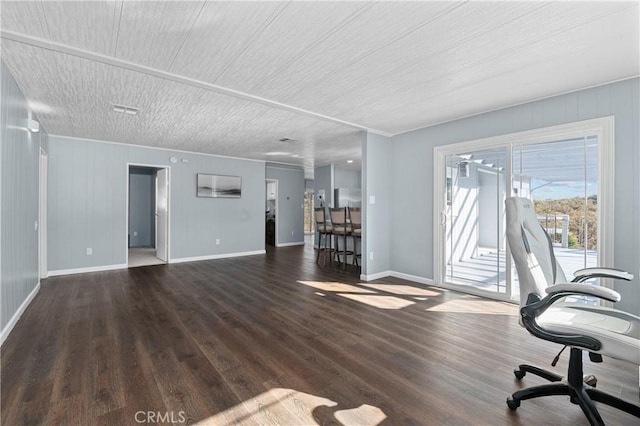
(515, 105)
(159, 148)
(131, 66)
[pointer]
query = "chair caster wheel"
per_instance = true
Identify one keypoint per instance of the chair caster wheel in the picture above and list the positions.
(513, 403)
(519, 374)
(590, 380)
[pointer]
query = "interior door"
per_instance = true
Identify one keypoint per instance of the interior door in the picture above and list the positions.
(162, 214)
(43, 215)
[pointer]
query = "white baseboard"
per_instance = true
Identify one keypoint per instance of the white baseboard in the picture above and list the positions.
(216, 256)
(299, 243)
(14, 319)
(85, 270)
(414, 278)
(402, 275)
(375, 276)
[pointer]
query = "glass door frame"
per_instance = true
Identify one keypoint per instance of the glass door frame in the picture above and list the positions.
(602, 128)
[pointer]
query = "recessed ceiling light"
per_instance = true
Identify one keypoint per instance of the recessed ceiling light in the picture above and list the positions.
(125, 109)
(349, 161)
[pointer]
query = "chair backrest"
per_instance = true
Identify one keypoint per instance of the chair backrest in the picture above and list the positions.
(355, 217)
(531, 249)
(338, 216)
(320, 218)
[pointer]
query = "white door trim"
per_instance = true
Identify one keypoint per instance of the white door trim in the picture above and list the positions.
(277, 207)
(43, 268)
(126, 229)
(161, 231)
(603, 128)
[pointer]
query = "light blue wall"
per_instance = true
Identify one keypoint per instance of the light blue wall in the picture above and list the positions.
(347, 178)
(142, 187)
(308, 184)
(411, 176)
(87, 204)
(290, 212)
(19, 199)
(375, 219)
(323, 180)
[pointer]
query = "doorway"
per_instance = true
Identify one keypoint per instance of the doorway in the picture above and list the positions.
(271, 213)
(309, 219)
(147, 215)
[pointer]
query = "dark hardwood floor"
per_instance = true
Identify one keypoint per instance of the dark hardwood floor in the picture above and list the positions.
(276, 339)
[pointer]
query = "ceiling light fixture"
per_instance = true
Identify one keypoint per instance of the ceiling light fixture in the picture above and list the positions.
(278, 154)
(285, 140)
(125, 109)
(349, 161)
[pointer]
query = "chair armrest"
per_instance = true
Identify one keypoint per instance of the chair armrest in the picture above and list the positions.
(590, 290)
(588, 273)
(536, 306)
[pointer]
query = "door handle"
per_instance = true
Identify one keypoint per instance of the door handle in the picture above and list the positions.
(443, 218)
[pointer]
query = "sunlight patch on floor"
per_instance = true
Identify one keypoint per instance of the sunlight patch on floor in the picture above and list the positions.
(290, 407)
(364, 414)
(476, 306)
(382, 302)
(405, 290)
(335, 287)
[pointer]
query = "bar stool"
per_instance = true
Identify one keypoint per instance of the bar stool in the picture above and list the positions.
(340, 228)
(355, 217)
(323, 229)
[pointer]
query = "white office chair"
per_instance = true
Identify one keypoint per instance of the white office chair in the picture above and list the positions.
(546, 314)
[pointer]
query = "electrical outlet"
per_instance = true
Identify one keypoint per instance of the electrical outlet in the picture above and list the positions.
(217, 241)
(372, 199)
(89, 251)
(135, 233)
(35, 225)
(292, 233)
(370, 255)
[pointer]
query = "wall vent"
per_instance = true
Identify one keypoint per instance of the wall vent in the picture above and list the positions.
(125, 109)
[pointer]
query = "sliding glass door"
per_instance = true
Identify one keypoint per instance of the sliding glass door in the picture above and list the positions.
(474, 219)
(564, 172)
(561, 177)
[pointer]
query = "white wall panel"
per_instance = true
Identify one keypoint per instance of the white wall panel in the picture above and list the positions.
(410, 172)
(19, 199)
(290, 213)
(87, 204)
(376, 222)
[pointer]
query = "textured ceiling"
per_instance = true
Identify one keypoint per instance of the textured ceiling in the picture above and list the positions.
(232, 78)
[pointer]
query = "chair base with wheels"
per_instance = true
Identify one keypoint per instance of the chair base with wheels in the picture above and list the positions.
(548, 312)
(579, 392)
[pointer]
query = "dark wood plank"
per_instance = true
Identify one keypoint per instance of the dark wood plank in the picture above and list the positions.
(276, 339)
